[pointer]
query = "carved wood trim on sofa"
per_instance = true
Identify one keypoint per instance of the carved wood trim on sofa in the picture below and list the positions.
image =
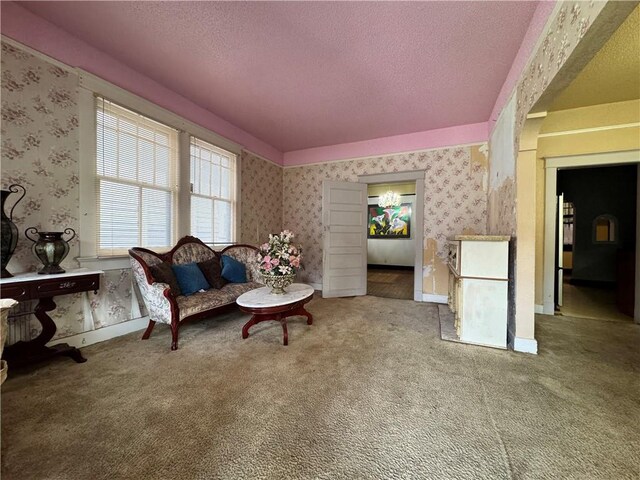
(175, 322)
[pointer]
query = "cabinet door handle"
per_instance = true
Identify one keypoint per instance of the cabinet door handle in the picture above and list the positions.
(67, 284)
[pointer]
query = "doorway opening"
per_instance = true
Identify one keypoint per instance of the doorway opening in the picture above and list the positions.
(391, 238)
(389, 265)
(586, 115)
(597, 242)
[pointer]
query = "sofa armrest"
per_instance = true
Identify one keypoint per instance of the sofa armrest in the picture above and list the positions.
(157, 297)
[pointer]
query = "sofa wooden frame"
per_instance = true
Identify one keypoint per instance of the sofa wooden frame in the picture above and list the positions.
(175, 311)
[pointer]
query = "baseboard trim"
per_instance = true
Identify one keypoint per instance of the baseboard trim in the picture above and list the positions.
(510, 336)
(549, 308)
(105, 333)
(525, 345)
(430, 297)
(316, 286)
(390, 267)
(539, 308)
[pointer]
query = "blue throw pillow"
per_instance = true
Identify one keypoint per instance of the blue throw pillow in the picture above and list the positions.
(233, 270)
(190, 278)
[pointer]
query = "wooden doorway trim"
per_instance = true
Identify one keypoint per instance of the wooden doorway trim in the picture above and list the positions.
(416, 176)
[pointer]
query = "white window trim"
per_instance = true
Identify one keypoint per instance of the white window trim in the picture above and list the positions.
(233, 194)
(89, 86)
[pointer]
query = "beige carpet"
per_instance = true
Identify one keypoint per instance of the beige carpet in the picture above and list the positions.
(368, 391)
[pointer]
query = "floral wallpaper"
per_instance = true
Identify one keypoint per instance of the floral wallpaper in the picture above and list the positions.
(571, 23)
(565, 31)
(39, 148)
(455, 199)
(261, 199)
(40, 152)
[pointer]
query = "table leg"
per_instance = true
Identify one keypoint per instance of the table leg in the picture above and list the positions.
(248, 325)
(309, 316)
(277, 316)
(24, 353)
(263, 318)
(300, 311)
(285, 333)
(48, 325)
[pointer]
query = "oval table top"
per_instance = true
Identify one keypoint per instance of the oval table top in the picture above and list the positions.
(263, 298)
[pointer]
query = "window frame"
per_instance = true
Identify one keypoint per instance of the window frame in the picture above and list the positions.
(612, 229)
(569, 218)
(172, 178)
(90, 86)
(233, 191)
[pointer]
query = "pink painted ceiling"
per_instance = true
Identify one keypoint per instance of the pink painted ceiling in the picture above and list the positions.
(308, 74)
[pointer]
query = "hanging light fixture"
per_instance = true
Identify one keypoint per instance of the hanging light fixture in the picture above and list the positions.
(389, 199)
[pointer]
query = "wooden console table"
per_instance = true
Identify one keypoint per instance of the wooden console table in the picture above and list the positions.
(33, 286)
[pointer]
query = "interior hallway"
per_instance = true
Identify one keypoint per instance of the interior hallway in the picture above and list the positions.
(390, 283)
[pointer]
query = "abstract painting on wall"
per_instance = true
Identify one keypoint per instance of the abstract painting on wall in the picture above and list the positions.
(393, 222)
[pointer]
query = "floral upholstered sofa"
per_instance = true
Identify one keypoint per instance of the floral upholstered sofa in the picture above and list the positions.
(165, 307)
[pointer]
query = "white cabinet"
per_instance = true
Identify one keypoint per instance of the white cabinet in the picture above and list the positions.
(478, 287)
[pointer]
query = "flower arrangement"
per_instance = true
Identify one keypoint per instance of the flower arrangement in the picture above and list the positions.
(279, 257)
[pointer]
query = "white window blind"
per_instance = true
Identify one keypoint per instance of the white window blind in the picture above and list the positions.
(212, 193)
(136, 174)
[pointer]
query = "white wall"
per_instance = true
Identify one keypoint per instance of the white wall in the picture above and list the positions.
(400, 251)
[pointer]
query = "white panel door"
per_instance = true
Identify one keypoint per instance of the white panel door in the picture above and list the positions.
(344, 222)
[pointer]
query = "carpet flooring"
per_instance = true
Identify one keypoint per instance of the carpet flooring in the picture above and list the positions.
(369, 391)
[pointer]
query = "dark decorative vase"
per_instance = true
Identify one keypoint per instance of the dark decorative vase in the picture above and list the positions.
(9, 238)
(50, 248)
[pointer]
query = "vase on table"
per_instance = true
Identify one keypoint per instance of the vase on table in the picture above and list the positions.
(278, 283)
(278, 260)
(9, 232)
(50, 248)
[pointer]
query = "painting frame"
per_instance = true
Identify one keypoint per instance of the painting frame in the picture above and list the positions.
(389, 223)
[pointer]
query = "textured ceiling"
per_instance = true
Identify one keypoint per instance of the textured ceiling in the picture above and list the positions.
(613, 75)
(307, 74)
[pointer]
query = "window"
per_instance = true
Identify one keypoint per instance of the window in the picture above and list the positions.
(212, 193)
(137, 184)
(569, 220)
(136, 174)
(604, 229)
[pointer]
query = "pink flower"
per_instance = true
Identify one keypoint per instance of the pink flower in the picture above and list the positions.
(267, 260)
(294, 261)
(275, 262)
(267, 267)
